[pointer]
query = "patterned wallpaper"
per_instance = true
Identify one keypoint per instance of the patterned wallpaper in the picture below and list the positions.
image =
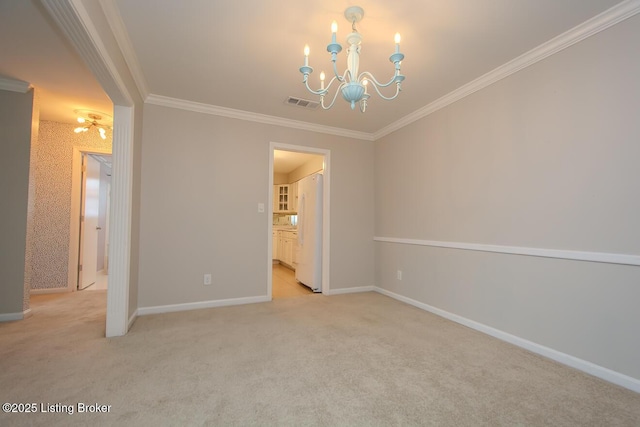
(52, 178)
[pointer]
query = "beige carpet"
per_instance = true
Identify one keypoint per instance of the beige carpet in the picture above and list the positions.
(349, 360)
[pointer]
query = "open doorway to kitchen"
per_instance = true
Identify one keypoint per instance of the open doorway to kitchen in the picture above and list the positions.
(298, 255)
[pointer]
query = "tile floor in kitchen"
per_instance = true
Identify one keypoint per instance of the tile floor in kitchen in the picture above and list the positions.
(285, 285)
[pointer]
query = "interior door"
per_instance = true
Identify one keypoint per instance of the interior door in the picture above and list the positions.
(89, 222)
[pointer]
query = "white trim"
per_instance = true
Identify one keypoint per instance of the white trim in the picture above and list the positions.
(606, 19)
(114, 18)
(74, 20)
(342, 291)
(14, 85)
(326, 210)
(10, 317)
(121, 207)
(42, 291)
(132, 319)
(566, 359)
(74, 220)
(270, 225)
(608, 258)
(143, 311)
(215, 110)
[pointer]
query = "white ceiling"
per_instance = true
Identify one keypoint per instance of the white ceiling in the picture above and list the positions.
(287, 161)
(245, 54)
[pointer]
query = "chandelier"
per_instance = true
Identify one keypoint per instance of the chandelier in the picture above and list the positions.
(89, 119)
(351, 85)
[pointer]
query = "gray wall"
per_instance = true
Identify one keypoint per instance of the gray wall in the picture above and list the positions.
(546, 158)
(202, 179)
(16, 112)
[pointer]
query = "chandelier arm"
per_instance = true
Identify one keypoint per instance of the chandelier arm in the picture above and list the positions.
(387, 98)
(321, 92)
(335, 71)
(336, 78)
(373, 79)
(335, 96)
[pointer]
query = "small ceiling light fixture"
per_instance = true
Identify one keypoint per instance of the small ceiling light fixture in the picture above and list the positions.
(89, 119)
(352, 85)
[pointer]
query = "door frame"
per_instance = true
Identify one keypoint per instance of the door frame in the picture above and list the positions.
(326, 210)
(76, 20)
(76, 203)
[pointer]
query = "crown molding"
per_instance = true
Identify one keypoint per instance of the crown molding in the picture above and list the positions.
(114, 18)
(73, 19)
(216, 110)
(606, 19)
(14, 85)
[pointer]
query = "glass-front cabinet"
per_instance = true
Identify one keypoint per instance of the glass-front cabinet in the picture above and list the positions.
(281, 198)
(285, 198)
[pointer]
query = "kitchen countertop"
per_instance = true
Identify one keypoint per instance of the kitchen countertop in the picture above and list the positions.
(285, 228)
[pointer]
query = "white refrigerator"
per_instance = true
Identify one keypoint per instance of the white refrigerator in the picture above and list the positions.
(309, 250)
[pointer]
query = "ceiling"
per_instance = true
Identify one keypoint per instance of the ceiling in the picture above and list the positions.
(40, 54)
(245, 54)
(287, 161)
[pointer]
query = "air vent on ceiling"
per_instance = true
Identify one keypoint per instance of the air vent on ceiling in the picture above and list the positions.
(304, 103)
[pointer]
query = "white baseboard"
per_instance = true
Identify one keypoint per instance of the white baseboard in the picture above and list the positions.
(10, 317)
(132, 319)
(350, 290)
(142, 311)
(49, 291)
(566, 359)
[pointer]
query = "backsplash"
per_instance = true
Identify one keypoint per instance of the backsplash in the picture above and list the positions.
(284, 219)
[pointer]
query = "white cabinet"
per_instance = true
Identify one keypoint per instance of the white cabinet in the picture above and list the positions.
(285, 198)
(284, 246)
(281, 198)
(274, 245)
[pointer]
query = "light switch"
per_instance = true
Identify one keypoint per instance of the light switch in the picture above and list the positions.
(260, 207)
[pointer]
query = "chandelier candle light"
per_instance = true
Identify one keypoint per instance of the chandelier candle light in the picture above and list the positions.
(352, 85)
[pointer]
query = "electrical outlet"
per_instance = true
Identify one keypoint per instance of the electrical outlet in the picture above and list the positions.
(260, 207)
(399, 274)
(207, 279)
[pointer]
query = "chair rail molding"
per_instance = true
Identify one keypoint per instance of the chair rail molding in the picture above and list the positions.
(609, 258)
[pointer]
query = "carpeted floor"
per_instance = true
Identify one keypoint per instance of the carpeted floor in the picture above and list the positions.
(348, 360)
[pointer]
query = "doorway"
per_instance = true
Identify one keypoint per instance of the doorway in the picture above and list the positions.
(288, 165)
(93, 265)
(90, 218)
